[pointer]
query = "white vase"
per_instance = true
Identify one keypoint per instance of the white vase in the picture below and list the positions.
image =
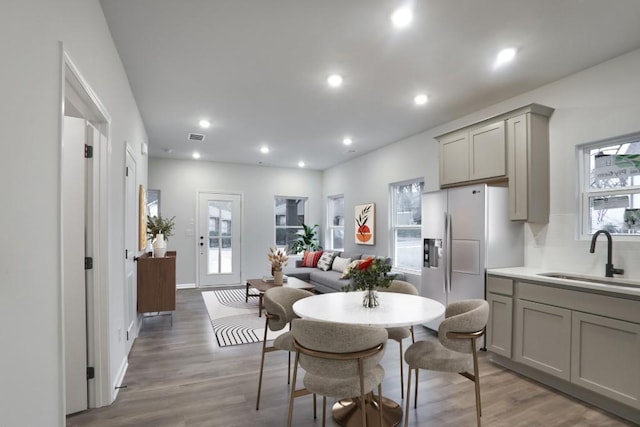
(159, 246)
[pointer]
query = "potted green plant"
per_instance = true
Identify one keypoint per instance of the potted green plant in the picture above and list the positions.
(306, 240)
(160, 229)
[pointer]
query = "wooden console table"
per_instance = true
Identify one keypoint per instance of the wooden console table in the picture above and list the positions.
(157, 283)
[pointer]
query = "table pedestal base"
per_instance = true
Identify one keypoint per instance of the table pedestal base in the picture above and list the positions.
(347, 412)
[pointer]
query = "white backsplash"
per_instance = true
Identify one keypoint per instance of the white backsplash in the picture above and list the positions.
(555, 247)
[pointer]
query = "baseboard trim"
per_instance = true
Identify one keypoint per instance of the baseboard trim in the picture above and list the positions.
(185, 286)
(119, 379)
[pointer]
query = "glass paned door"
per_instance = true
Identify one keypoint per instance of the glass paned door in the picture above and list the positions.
(219, 239)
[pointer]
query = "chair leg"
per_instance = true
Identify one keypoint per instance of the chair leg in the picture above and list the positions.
(293, 389)
(315, 407)
(401, 372)
(413, 338)
(406, 414)
(289, 369)
(476, 381)
(264, 347)
(415, 400)
(379, 401)
(324, 410)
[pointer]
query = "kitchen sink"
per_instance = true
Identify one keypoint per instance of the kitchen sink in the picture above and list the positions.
(613, 281)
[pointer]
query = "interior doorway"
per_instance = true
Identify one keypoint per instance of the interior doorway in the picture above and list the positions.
(219, 218)
(84, 163)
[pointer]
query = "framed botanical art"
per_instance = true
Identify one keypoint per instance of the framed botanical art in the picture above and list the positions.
(365, 224)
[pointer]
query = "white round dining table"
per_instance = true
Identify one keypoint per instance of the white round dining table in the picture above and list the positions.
(395, 309)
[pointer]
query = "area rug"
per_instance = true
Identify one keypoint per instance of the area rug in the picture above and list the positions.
(235, 321)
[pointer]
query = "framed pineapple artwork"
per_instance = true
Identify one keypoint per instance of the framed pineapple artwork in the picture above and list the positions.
(365, 224)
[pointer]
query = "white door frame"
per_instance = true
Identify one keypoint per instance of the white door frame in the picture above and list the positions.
(131, 321)
(74, 87)
(199, 225)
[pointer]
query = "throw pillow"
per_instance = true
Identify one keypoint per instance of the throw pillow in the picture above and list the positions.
(326, 260)
(347, 271)
(340, 264)
(310, 259)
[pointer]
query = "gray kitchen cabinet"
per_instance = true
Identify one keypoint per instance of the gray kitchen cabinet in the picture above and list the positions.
(584, 342)
(487, 156)
(454, 158)
(604, 357)
(473, 154)
(528, 165)
(511, 147)
(500, 324)
(543, 337)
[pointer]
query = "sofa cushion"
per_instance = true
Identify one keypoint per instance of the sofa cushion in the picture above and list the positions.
(326, 260)
(340, 264)
(352, 255)
(347, 271)
(328, 280)
(310, 259)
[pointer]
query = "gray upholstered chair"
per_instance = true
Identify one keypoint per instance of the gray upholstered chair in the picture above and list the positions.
(340, 361)
(455, 350)
(278, 303)
(400, 333)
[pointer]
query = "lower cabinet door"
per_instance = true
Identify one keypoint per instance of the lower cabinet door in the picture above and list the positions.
(543, 338)
(605, 357)
(499, 327)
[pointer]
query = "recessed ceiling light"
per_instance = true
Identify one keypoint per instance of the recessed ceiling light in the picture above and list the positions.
(195, 155)
(505, 56)
(420, 99)
(264, 149)
(335, 80)
(204, 124)
(402, 17)
(347, 141)
(300, 164)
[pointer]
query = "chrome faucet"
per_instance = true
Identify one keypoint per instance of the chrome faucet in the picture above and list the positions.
(609, 269)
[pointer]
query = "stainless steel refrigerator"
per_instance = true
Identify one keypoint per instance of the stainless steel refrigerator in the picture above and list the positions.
(466, 230)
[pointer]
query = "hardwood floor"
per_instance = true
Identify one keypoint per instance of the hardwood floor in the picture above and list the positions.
(179, 376)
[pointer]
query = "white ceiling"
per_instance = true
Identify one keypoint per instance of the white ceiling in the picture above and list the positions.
(257, 69)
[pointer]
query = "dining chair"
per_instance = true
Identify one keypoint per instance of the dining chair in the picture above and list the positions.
(340, 361)
(398, 334)
(455, 349)
(278, 303)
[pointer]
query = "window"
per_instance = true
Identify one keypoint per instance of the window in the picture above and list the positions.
(289, 219)
(406, 222)
(610, 186)
(335, 222)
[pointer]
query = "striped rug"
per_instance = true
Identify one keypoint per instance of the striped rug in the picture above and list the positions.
(235, 321)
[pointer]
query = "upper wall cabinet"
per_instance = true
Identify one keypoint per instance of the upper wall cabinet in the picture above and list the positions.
(473, 154)
(513, 146)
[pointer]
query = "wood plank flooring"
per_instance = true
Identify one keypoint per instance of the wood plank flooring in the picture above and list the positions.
(178, 376)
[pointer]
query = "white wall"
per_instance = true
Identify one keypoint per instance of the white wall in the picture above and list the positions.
(30, 310)
(597, 103)
(180, 180)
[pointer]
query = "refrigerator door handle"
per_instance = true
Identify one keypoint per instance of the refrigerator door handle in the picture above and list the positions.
(446, 252)
(449, 234)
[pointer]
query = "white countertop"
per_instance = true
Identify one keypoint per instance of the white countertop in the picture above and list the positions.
(533, 274)
(395, 309)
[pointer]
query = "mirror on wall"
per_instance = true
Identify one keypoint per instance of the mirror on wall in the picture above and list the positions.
(153, 203)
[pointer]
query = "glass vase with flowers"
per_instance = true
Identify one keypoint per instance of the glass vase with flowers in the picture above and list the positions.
(368, 276)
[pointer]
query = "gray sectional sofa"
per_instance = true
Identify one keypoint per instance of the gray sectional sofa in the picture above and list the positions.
(328, 281)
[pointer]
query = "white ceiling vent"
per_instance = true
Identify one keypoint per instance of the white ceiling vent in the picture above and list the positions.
(196, 137)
